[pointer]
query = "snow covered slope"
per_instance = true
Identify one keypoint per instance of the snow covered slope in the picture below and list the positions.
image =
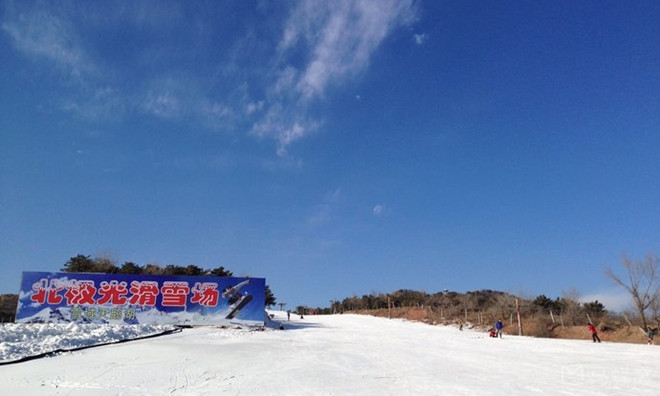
(341, 355)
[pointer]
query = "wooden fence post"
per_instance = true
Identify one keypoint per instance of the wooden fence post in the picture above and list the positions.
(520, 328)
(389, 308)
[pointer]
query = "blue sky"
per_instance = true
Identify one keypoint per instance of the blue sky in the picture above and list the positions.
(334, 148)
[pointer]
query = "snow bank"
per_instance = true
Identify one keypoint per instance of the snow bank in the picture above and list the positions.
(18, 341)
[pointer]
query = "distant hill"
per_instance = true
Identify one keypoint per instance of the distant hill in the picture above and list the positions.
(541, 316)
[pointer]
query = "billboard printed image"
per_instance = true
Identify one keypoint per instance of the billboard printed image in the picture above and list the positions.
(58, 297)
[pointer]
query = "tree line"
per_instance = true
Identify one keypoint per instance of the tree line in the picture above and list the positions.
(639, 278)
(82, 263)
(454, 305)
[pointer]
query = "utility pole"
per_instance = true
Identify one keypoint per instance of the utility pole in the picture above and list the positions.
(389, 308)
(520, 329)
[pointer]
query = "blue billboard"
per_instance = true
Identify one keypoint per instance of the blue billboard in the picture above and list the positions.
(58, 297)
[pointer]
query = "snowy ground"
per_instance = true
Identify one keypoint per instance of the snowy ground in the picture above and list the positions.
(20, 341)
(324, 355)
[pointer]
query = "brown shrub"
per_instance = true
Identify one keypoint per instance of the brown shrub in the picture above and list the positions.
(541, 327)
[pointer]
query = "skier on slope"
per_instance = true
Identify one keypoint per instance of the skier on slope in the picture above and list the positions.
(498, 327)
(594, 332)
(650, 333)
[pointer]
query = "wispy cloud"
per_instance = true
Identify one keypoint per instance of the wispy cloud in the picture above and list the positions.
(341, 37)
(421, 38)
(163, 104)
(95, 104)
(47, 35)
(181, 97)
(41, 34)
(379, 210)
(53, 33)
(323, 44)
(323, 212)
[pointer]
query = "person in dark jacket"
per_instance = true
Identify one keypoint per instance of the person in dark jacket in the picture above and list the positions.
(649, 335)
(594, 332)
(498, 327)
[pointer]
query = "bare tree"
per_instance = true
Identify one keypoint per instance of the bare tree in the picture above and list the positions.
(655, 311)
(503, 306)
(641, 282)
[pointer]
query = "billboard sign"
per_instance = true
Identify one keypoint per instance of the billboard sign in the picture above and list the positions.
(59, 297)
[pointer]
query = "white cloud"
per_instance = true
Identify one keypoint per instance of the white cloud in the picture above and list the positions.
(216, 116)
(217, 110)
(613, 300)
(289, 135)
(274, 123)
(421, 38)
(96, 104)
(254, 107)
(324, 43)
(49, 33)
(181, 96)
(44, 35)
(379, 210)
(286, 79)
(322, 214)
(342, 37)
(163, 104)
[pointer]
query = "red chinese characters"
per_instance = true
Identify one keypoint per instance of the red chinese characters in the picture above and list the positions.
(80, 292)
(144, 293)
(88, 293)
(113, 292)
(174, 294)
(47, 291)
(56, 286)
(40, 290)
(205, 294)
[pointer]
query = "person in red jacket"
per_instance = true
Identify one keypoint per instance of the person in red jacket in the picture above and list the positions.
(594, 332)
